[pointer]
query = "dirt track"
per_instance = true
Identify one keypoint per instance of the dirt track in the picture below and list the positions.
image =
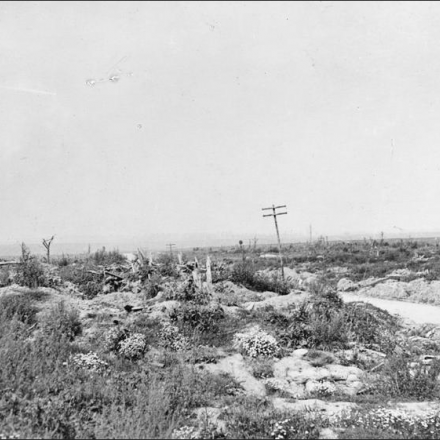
(419, 313)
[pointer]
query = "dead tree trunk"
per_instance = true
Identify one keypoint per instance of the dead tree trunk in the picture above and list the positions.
(46, 244)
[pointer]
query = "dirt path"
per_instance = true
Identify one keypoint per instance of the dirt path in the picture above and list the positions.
(419, 313)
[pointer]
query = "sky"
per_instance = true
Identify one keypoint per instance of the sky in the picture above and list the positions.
(124, 119)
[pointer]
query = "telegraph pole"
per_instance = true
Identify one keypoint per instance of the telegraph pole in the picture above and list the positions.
(274, 215)
(170, 245)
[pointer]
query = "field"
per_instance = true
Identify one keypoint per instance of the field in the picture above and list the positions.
(93, 346)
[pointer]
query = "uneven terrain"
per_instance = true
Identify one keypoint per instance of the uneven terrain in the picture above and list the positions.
(192, 347)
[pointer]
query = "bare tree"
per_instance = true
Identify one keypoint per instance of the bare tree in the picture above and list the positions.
(46, 244)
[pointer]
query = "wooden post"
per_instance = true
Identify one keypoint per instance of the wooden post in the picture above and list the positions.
(196, 274)
(141, 255)
(208, 273)
(197, 278)
(242, 250)
(274, 215)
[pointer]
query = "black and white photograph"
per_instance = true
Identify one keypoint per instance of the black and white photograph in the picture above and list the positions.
(219, 220)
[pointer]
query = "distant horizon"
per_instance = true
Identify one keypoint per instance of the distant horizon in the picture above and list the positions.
(189, 241)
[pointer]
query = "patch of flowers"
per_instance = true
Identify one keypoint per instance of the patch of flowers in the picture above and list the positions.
(172, 339)
(113, 338)
(89, 361)
(321, 389)
(256, 343)
(290, 428)
(185, 432)
(134, 346)
(426, 425)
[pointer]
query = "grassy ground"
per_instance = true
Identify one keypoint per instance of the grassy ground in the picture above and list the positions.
(65, 373)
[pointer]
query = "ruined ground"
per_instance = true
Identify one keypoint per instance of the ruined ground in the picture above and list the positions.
(194, 350)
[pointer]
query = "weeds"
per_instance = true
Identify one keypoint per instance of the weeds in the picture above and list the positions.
(371, 326)
(89, 284)
(245, 274)
(62, 322)
(262, 368)
(399, 378)
(29, 272)
(5, 277)
(191, 317)
(145, 381)
(387, 423)
(105, 258)
(252, 418)
(18, 306)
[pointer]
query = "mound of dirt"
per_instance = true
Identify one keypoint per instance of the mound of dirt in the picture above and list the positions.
(278, 302)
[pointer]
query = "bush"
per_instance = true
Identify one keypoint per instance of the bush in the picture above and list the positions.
(257, 343)
(63, 261)
(133, 347)
(190, 317)
(63, 322)
(104, 258)
(188, 291)
(167, 266)
(245, 274)
(373, 327)
(30, 272)
(317, 323)
(113, 339)
(89, 284)
(171, 338)
(325, 322)
(297, 332)
(5, 277)
(18, 306)
(327, 331)
(401, 378)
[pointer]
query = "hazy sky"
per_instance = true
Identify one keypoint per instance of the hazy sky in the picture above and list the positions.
(126, 118)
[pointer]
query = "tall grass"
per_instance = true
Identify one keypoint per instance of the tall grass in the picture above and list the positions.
(246, 275)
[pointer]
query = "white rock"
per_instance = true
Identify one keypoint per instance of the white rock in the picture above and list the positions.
(345, 285)
(300, 352)
(235, 366)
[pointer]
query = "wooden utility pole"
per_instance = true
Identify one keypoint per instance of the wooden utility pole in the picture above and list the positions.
(310, 230)
(274, 215)
(170, 245)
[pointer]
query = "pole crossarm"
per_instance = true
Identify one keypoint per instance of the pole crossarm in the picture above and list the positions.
(272, 215)
(170, 245)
